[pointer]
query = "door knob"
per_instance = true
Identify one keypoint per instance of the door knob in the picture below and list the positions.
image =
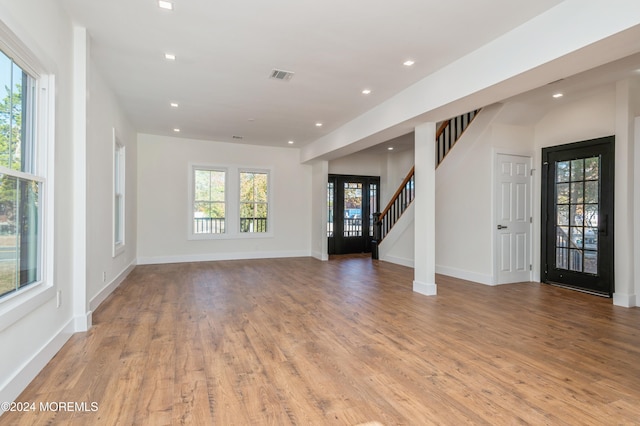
(502, 227)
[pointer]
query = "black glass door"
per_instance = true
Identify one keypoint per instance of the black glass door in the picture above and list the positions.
(577, 209)
(351, 203)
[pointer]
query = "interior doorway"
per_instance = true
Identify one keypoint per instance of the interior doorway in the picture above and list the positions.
(577, 215)
(513, 218)
(351, 202)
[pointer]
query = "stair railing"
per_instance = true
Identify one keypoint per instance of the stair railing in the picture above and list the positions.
(447, 135)
(450, 131)
(402, 198)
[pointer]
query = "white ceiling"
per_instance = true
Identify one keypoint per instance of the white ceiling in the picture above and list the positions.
(225, 51)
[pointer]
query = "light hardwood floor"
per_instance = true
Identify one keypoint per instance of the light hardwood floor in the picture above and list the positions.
(345, 342)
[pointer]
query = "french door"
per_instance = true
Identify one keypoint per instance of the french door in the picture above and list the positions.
(577, 215)
(352, 200)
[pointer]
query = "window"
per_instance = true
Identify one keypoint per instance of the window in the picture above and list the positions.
(209, 202)
(330, 196)
(118, 196)
(254, 204)
(21, 180)
(228, 202)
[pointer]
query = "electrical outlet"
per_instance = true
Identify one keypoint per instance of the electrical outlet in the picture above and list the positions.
(58, 298)
(104, 276)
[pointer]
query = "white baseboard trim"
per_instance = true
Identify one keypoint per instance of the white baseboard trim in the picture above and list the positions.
(425, 288)
(14, 386)
(624, 300)
(83, 322)
(398, 261)
(109, 288)
(208, 257)
(465, 275)
(320, 256)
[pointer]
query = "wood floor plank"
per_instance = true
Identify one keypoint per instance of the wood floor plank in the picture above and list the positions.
(345, 342)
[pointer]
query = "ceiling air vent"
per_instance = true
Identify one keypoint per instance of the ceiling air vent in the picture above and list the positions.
(281, 75)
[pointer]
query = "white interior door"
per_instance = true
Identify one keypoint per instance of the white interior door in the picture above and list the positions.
(513, 218)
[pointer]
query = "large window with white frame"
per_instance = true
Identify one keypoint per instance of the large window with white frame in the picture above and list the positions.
(254, 201)
(22, 176)
(228, 202)
(209, 200)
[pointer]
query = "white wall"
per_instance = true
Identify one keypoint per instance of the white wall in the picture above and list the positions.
(392, 167)
(398, 165)
(163, 179)
(464, 190)
(28, 343)
(399, 245)
(358, 164)
(464, 203)
(577, 120)
(571, 121)
(103, 115)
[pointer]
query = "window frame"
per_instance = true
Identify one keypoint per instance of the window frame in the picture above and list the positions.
(192, 202)
(119, 210)
(232, 202)
(19, 303)
(268, 202)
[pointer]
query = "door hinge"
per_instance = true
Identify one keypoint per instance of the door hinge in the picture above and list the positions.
(530, 219)
(531, 267)
(531, 172)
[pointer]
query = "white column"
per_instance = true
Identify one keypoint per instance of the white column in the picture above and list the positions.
(81, 313)
(624, 292)
(425, 214)
(319, 216)
(636, 210)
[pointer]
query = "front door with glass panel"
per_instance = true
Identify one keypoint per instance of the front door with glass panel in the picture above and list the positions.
(351, 202)
(577, 215)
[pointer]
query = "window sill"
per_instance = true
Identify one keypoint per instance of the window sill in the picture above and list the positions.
(235, 236)
(24, 302)
(118, 250)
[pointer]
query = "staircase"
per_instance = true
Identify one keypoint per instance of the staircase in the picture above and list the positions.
(447, 135)
(385, 220)
(449, 132)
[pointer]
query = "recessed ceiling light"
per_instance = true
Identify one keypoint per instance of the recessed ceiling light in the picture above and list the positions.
(318, 124)
(176, 130)
(165, 4)
(170, 56)
(174, 105)
(366, 91)
(558, 95)
(408, 63)
(390, 148)
(290, 142)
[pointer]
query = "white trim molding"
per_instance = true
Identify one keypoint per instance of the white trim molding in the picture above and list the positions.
(106, 291)
(12, 388)
(466, 275)
(210, 257)
(426, 289)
